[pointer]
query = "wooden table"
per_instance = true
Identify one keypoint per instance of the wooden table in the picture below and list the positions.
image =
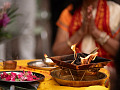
(49, 83)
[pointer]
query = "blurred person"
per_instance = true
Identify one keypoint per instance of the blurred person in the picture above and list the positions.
(24, 27)
(89, 24)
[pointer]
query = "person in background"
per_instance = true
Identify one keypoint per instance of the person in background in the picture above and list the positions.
(89, 24)
(26, 26)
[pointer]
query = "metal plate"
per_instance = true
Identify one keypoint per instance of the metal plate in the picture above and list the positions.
(39, 64)
(41, 76)
(88, 80)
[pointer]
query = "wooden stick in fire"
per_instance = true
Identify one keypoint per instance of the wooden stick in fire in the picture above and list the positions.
(94, 51)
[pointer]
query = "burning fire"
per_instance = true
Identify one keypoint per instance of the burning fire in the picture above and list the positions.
(46, 56)
(73, 47)
(47, 60)
(89, 58)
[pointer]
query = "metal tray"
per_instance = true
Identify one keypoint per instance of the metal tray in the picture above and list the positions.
(39, 64)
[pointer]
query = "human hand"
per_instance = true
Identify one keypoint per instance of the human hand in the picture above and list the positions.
(87, 17)
(84, 28)
(92, 29)
(91, 25)
(85, 20)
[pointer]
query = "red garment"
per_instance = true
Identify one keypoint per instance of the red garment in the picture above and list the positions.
(101, 22)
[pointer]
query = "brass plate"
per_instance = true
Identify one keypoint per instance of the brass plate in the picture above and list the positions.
(88, 80)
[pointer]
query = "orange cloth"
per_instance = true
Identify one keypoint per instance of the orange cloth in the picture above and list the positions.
(65, 18)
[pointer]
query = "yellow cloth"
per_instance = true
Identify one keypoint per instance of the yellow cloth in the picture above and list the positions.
(96, 88)
(49, 83)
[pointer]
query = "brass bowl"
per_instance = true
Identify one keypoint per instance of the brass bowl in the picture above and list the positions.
(66, 60)
(63, 78)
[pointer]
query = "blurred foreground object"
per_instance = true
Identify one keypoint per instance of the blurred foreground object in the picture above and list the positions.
(115, 73)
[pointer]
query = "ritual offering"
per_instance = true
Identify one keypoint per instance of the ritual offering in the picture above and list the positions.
(48, 61)
(20, 76)
(39, 64)
(79, 69)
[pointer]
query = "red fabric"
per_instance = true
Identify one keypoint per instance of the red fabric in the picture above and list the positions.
(101, 22)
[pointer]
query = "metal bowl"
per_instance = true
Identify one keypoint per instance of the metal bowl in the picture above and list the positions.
(89, 79)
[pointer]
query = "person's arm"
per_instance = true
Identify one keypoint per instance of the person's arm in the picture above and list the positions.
(111, 45)
(63, 43)
(61, 46)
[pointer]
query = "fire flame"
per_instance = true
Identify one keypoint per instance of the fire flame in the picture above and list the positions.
(45, 55)
(89, 58)
(47, 60)
(73, 47)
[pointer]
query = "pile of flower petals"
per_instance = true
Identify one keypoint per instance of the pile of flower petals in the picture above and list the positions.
(22, 76)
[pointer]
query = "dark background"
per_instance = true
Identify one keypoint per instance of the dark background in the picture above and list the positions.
(56, 7)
